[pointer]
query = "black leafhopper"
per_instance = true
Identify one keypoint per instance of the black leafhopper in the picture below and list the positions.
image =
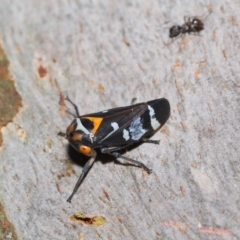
(115, 129)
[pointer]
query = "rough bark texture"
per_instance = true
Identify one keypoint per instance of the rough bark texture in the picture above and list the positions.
(102, 54)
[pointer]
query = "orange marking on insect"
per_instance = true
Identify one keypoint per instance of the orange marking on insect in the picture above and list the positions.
(85, 149)
(77, 137)
(96, 123)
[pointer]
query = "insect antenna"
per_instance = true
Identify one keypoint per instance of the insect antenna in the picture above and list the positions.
(61, 134)
(74, 105)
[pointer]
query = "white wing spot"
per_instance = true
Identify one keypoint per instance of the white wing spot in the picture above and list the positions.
(115, 128)
(154, 122)
(126, 135)
(136, 129)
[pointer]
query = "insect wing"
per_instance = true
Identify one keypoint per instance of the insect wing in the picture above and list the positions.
(159, 109)
(126, 125)
(112, 122)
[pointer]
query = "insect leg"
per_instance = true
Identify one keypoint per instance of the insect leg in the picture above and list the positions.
(187, 19)
(133, 100)
(137, 163)
(150, 141)
(74, 105)
(111, 149)
(84, 171)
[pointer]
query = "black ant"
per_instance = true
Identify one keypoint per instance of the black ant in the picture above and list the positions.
(191, 25)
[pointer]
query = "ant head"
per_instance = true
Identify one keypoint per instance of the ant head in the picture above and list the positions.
(197, 25)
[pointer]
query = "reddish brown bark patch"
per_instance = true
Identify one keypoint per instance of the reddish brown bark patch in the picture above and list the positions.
(10, 100)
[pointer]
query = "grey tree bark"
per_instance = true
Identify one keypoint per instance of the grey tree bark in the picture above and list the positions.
(102, 54)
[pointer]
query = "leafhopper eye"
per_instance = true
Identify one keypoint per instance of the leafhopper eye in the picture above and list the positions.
(85, 149)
